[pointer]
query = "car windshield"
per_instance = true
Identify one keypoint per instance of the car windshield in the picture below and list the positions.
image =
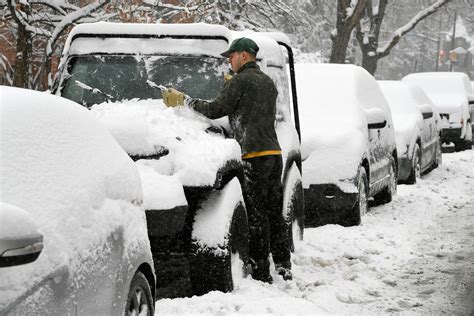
(94, 79)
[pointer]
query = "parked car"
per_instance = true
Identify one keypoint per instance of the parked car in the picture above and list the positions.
(116, 70)
(72, 231)
(450, 93)
(471, 103)
(416, 129)
(348, 145)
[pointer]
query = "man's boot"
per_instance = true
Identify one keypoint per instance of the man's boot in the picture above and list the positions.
(284, 269)
(261, 271)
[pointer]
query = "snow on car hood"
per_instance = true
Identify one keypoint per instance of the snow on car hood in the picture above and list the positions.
(145, 127)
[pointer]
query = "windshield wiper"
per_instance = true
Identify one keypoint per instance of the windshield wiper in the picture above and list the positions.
(93, 90)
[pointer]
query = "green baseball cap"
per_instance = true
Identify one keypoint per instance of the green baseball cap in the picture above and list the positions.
(240, 45)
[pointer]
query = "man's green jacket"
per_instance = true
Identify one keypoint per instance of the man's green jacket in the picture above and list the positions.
(249, 99)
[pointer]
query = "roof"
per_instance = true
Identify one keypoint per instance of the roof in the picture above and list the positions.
(105, 37)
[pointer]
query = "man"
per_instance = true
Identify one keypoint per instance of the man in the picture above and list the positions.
(249, 99)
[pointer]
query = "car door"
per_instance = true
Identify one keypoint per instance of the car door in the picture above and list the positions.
(428, 136)
(379, 154)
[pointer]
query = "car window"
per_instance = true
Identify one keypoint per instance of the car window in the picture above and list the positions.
(94, 79)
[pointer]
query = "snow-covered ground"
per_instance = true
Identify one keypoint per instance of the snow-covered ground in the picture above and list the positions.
(413, 255)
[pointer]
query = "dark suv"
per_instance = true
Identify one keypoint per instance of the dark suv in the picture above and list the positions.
(197, 223)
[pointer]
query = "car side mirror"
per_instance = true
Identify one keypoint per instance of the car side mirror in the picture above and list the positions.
(20, 241)
(427, 115)
(376, 118)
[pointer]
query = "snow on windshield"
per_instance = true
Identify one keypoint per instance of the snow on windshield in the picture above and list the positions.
(333, 128)
(64, 167)
(146, 127)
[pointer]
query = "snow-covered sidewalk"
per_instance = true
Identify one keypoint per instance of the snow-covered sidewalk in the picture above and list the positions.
(414, 255)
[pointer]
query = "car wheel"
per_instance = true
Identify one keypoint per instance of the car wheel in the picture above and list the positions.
(468, 138)
(220, 268)
(387, 194)
(354, 217)
(293, 205)
(139, 298)
(439, 155)
(415, 172)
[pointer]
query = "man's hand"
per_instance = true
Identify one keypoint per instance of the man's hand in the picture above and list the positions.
(172, 97)
(227, 77)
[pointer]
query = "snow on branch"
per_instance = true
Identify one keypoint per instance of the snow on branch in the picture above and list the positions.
(384, 51)
(70, 19)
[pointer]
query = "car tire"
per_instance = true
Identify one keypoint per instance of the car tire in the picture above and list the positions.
(387, 194)
(214, 269)
(293, 205)
(438, 161)
(468, 138)
(415, 172)
(139, 299)
(354, 217)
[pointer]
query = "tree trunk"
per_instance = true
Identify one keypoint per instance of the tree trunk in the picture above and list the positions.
(348, 16)
(23, 58)
(369, 63)
(339, 48)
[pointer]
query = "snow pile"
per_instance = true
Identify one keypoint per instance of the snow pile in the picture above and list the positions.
(115, 43)
(64, 168)
(413, 255)
(160, 192)
(16, 222)
(146, 127)
(407, 118)
(214, 217)
(333, 124)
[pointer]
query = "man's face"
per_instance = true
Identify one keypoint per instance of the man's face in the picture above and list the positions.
(236, 60)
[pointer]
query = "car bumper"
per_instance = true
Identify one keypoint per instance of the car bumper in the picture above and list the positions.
(326, 203)
(166, 222)
(451, 135)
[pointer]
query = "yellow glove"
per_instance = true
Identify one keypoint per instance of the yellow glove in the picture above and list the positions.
(227, 77)
(172, 97)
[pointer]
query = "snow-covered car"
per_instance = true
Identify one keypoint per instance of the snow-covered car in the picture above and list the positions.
(72, 223)
(471, 103)
(348, 143)
(450, 93)
(116, 70)
(417, 132)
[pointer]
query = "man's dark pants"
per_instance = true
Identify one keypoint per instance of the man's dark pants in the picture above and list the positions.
(263, 195)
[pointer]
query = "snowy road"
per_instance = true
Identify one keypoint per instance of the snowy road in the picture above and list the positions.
(413, 255)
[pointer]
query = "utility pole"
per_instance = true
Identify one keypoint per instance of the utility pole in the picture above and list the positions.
(452, 41)
(439, 40)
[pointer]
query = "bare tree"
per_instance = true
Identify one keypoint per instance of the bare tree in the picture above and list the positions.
(38, 26)
(349, 13)
(368, 31)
